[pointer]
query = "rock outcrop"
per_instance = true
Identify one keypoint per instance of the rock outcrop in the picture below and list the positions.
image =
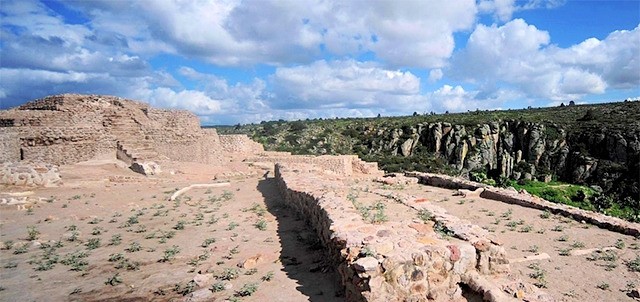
(605, 157)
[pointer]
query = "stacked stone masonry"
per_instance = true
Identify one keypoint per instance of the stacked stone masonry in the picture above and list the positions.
(29, 174)
(396, 261)
(239, 143)
(69, 128)
(527, 200)
(339, 164)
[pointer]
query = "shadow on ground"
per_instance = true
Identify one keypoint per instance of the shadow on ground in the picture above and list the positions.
(302, 254)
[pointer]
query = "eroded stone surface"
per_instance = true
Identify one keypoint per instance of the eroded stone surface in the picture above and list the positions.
(36, 174)
(396, 260)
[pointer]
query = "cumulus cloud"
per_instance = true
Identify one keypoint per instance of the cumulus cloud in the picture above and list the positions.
(616, 58)
(520, 55)
(322, 89)
(435, 74)
(345, 84)
(503, 10)
(195, 101)
(457, 99)
(405, 33)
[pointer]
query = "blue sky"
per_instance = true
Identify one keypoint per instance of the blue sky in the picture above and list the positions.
(247, 61)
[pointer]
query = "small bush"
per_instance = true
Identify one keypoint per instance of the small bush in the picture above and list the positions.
(229, 274)
(93, 243)
(247, 289)
(634, 265)
(208, 242)
(170, 253)
(217, 287)
(261, 225)
(114, 280)
(32, 232)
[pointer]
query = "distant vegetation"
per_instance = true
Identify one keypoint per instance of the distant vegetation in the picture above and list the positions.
(370, 138)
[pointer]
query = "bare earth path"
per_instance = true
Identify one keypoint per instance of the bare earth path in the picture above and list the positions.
(109, 233)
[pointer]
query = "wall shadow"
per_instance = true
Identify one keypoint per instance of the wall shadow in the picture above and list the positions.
(303, 256)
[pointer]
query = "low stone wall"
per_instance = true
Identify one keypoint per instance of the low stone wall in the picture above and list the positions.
(530, 201)
(29, 174)
(9, 145)
(239, 143)
(364, 167)
(394, 260)
(491, 256)
(345, 165)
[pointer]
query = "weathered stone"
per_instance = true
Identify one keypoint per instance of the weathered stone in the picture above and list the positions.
(455, 252)
(146, 168)
(203, 280)
(200, 295)
(366, 264)
(29, 174)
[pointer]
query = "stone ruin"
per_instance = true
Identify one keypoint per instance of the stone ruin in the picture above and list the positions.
(394, 261)
(70, 128)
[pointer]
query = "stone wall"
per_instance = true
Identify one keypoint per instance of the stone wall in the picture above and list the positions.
(29, 174)
(345, 165)
(394, 261)
(70, 128)
(9, 145)
(527, 200)
(239, 143)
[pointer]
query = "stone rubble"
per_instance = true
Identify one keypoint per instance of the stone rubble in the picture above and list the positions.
(37, 174)
(397, 261)
(527, 200)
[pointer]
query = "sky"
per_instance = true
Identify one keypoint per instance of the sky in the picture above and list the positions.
(232, 61)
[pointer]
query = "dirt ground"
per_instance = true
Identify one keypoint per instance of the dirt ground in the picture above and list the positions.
(111, 234)
(585, 263)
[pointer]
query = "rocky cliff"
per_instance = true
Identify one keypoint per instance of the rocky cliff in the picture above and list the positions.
(605, 157)
(592, 145)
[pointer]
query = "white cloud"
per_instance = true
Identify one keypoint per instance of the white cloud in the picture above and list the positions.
(345, 84)
(616, 58)
(453, 98)
(435, 74)
(519, 55)
(194, 101)
(321, 89)
(503, 10)
(405, 33)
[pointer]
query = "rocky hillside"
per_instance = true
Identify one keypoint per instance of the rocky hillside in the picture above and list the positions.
(591, 145)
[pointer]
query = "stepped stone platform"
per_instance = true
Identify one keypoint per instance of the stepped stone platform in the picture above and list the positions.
(70, 128)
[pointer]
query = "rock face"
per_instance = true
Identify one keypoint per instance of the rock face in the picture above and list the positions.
(524, 150)
(70, 128)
